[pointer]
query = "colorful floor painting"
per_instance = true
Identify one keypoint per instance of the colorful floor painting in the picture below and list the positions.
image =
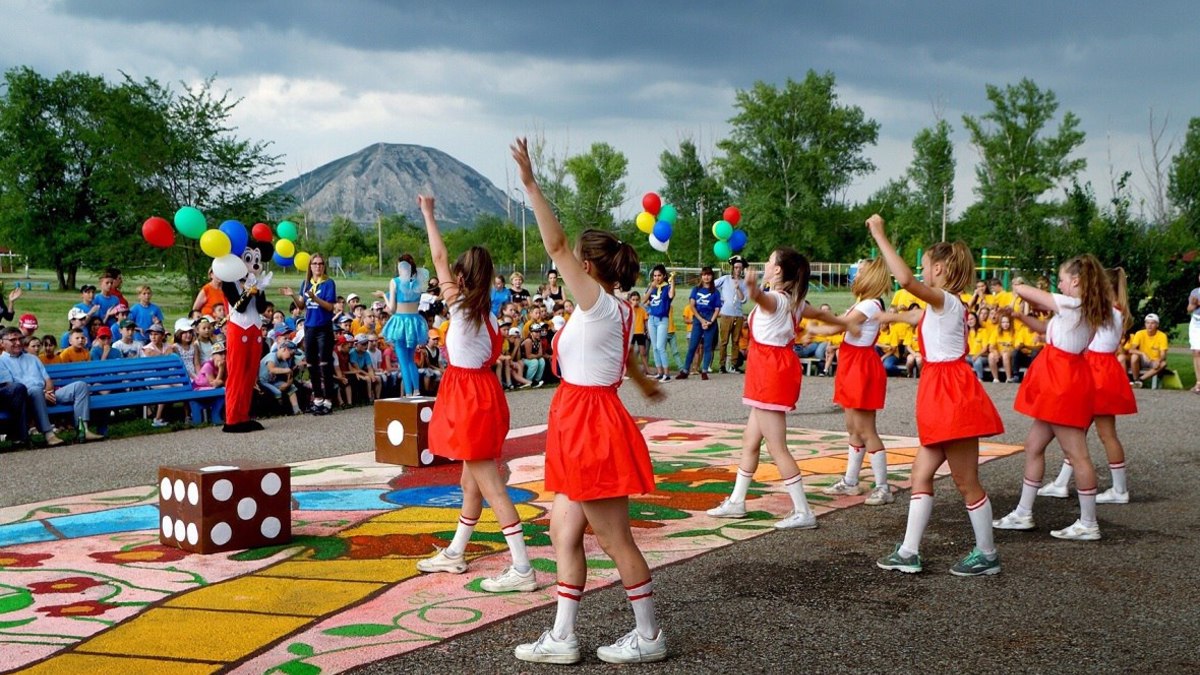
(85, 585)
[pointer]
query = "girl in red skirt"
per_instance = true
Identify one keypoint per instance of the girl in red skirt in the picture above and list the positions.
(772, 384)
(953, 411)
(1113, 396)
(1058, 391)
(861, 384)
(470, 417)
(595, 454)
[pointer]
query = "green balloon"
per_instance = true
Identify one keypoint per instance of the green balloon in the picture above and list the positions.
(190, 222)
(286, 229)
(668, 213)
(722, 230)
(721, 250)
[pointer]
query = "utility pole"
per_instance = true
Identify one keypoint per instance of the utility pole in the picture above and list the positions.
(379, 235)
(700, 235)
(945, 190)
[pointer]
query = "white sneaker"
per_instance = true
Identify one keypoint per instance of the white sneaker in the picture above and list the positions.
(1077, 531)
(1052, 490)
(52, 439)
(549, 649)
(880, 496)
(633, 648)
(443, 563)
(1014, 521)
(728, 509)
(510, 580)
(842, 488)
(797, 520)
(1111, 496)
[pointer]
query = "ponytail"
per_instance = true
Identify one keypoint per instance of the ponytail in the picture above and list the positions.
(1120, 288)
(1095, 290)
(616, 262)
(793, 273)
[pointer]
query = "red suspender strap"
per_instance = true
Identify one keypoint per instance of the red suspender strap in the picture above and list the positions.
(626, 336)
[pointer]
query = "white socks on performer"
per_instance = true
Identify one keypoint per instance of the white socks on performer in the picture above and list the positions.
(854, 461)
(795, 488)
(879, 467)
(981, 521)
(515, 536)
(741, 485)
(1118, 477)
(919, 509)
(1087, 506)
(462, 535)
(568, 610)
(1064, 474)
(1029, 490)
(641, 598)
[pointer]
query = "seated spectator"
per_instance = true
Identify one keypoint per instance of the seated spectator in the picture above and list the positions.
(76, 318)
(49, 349)
(185, 346)
(430, 363)
(143, 314)
(17, 366)
(128, 347)
(220, 315)
(807, 347)
(89, 332)
(33, 345)
(14, 400)
(211, 375)
(377, 361)
(341, 368)
(362, 367)
(103, 349)
(912, 357)
(533, 356)
(352, 301)
(390, 368)
(158, 347)
(1148, 349)
(204, 338)
(888, 345)
(977, 345)
(28, 324)
(77, 350)
(276, 374)
(345, 325)
(1001, 349)
(1029, 345)
(832, 344)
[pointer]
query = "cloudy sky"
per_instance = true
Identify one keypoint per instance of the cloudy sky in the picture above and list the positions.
(323, 79)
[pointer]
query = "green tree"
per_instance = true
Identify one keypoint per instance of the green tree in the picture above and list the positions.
(932, 177)
(347, 240)
(696, 193)
(599, 177)
(1019, 163)
(1183, 188)
(790, 156)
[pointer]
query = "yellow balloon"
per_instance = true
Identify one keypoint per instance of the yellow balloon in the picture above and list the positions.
(285, 248)
(645, 222)
(301, 261)
(215, 243)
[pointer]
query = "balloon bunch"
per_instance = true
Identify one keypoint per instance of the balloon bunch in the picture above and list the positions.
(729, 239)
(226, 244)
(657, 220)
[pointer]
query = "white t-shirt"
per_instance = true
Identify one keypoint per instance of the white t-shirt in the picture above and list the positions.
(591, 347)
(1195, 312)
(778, 328)
(1108, 336)
(1067, 330)
(944, 333)
(869, 328)
(468, 345)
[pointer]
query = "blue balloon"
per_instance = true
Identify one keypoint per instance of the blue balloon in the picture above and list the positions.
(737, 240)
(662, 230)
(282, 262)
(237, 236)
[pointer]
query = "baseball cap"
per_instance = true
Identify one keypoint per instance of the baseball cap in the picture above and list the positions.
(183, 325)
(345, 319)
(434, 333)
(75, 314)
(155, 328)
(287, 344)
(342, 339)
(29, 322)
(219, 348)
(514, 331)
(378, 304)
(198, 321)
(558, 322)
(352, 296)
(128, 323)
(361, 338)
(1149, 318)
(737, 259)
(538, 326)
(87, 287)
(122, 308)
(103, 331)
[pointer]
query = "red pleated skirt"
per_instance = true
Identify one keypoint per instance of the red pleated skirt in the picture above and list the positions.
(772, 377)
(1057, 389)
(594, 449)
(1113, 394)
(861, 381)
(470, 416)
(952, 405)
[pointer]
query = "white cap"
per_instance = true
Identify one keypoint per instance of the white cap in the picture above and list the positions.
(1152, 317)
(76, 313)
(183, 325)
(352, 296)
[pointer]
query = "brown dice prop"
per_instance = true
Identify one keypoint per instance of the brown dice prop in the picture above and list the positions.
(402, 431)
(213, 508)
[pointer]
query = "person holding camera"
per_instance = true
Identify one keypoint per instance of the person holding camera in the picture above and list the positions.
(317, 296)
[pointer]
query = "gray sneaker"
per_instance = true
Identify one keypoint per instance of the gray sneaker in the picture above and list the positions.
(895, 561)
(842, 488)
(549, 649)
(728, 509)
(880, 496)
(633, 648)
(976, 564)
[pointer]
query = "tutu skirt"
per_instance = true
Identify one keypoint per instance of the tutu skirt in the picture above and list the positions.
(1057, 389)
(772, 377)
(1113, 395)
(594, 449)
(952, 405)
(470, 417)
(861, 382)
(406, 330)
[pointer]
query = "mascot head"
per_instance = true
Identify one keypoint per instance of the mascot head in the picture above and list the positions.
(256, 255)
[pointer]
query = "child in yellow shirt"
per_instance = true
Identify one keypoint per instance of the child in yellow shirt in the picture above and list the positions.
(1147, 347)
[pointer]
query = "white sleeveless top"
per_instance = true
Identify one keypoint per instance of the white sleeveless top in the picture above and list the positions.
(467, 345)
(1108, 336)
(777, 329)
(869, 328)
(591, 347)
(944, 333)
(1066, 329)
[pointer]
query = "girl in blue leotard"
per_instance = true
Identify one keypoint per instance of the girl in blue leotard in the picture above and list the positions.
(407, 329)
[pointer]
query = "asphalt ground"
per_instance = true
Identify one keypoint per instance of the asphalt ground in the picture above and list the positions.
(813, 601)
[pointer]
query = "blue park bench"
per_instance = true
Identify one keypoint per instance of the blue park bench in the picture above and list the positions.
(30, 285)
(129, 383)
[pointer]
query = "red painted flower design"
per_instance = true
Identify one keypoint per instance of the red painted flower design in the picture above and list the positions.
(81, 608)
(65, 585)
(150, 553)
(10, 559)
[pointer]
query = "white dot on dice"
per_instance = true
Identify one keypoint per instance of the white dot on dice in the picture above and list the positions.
(395, 432)
(168, 526)
(179, 493)
(247, 508)
(222, 490)
(426, 414)
(221, 533)
(427, 456)
(180, 530)
(193, 534)
(270, 484)
(165, 489)
(193, 494)
(270, 527)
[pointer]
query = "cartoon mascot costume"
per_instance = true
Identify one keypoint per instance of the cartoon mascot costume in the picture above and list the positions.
(243, 337)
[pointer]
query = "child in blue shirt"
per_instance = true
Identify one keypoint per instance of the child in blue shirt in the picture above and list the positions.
(144, 313)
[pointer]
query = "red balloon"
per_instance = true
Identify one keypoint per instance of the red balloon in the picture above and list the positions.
(651, 203)
(158, 232)
(261, 232)
(732, 215)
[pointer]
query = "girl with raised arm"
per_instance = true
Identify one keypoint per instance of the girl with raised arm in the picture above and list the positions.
(470, 416)
(596, 456)
(953, 411)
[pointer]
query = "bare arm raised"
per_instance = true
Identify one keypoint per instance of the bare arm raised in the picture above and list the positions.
(900, 269)
(437, 251)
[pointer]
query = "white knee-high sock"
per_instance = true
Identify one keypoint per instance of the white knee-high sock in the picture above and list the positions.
(981, 521)
(1029, 490)
(462, 535)
(514, 534)
(1064, 474)
(854, 460)
(741, 486)
(920, 507)
(568, 609)
(1087, 506)
(641, 598)
(1118, 477)
(795, 488)
(879, 467)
